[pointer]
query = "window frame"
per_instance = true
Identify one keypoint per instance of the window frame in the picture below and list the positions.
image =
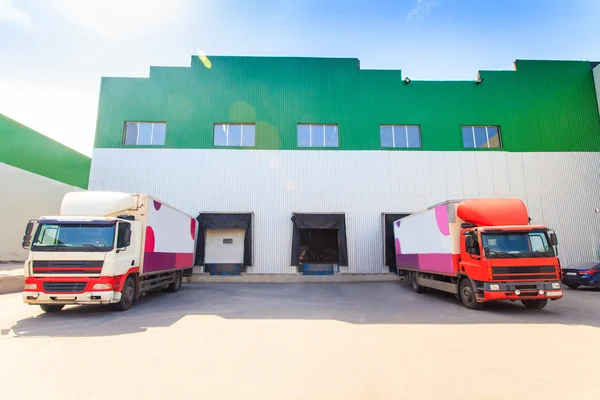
(241, 124)
(310, 126)
(500, 147)
(137, 136)
(406, 126)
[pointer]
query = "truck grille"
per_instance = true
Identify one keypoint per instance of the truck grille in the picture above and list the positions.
(523, 273)
(67, 267)
(64, 287)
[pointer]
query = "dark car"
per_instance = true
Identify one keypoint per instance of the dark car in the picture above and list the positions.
(582, 274)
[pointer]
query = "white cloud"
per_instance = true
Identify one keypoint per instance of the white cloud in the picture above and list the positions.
(65, 115)
(420, 9)
(118, 18)
(11, 14)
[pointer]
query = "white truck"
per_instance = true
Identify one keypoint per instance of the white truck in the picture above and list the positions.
(106, 248)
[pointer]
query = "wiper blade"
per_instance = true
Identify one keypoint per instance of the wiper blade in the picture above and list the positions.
(94, 246)
(503, 253)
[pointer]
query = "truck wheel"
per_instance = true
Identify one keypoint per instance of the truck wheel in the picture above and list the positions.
(127, 295)
(535, 304)
(467, 295)
(51, 307)
(414, 283)
(573, 287)
(175, 286)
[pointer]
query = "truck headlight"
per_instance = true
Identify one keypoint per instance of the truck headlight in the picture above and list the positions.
(31, 286)
(494, 287)
(101, 286)
(555, 285)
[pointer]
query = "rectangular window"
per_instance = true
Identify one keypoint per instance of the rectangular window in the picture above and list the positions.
(237, 135)
(481, 137)
(310, 135)
(400, 136)
(145, 133)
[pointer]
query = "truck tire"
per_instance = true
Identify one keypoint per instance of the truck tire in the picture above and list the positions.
(50, 308)
(127, 295)
(573, 287)
(535, 304)
(467, 295)
(414, 283)
(175, 286)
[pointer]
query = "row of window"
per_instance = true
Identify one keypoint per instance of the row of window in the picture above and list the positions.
(312, 135)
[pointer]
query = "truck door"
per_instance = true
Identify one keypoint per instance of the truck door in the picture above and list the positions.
(471, 263)
(127, 256)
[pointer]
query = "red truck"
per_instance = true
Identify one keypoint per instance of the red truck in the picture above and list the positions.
(480, 250)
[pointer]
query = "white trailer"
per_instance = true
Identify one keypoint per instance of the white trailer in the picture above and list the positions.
(106, 248)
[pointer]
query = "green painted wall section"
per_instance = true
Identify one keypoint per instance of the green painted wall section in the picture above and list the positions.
(541, 106)
(31, 151)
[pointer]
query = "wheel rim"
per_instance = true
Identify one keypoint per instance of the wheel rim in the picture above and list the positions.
(128, 294)
(467, 293)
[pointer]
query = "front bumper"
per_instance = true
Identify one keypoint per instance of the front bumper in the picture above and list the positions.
(521, 291)
(530, 295)
(70, 290)
(75, 298)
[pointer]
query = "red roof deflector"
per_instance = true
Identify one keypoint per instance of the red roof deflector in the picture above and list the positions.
(493, 212)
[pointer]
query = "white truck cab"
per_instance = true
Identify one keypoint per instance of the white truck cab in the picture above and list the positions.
(102, 249)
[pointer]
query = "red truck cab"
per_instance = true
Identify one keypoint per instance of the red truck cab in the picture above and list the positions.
(516, 262)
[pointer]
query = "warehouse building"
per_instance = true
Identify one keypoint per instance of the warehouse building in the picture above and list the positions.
(301, 164)
(35, 173)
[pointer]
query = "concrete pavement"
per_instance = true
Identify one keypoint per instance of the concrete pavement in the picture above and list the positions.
(375, 340)
(11, 277)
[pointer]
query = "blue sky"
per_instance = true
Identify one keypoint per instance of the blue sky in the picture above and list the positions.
(53, 53)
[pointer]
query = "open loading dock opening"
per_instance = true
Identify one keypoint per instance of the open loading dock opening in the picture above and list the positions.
(224, 245)
(319, 243)
(389, 245)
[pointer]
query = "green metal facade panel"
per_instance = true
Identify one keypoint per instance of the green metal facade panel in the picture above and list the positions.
(541, 106)
(24, 148)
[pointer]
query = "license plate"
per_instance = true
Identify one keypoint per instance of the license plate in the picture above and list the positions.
(571, 273)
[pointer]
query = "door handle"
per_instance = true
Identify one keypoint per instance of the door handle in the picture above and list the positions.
(132, 263)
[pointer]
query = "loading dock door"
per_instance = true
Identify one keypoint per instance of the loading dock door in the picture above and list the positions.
(389, 243)
(224, 246)
(213, 227)
(322, 223)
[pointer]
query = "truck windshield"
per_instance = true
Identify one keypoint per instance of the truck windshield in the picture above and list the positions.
(74, 237)
(517, 244)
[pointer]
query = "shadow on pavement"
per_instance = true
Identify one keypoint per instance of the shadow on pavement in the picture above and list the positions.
(355, 303)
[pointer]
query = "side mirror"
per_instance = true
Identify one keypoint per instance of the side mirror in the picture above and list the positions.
(27, 237)
(124, 239)
(127, 238)
(29, 228)
(469, 242)
(26, 242)
(553, 239)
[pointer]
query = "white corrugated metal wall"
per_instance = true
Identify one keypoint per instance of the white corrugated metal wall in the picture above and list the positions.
(561, 190)
(24, 196)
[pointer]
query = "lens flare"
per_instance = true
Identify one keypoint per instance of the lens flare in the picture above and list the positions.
(202, 56)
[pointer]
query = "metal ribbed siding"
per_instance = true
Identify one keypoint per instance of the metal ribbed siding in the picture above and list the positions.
(596, 73)
(31, 151)
(24, 196)
(542, 106)
(560, 189)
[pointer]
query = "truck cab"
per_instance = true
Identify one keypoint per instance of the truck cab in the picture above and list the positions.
(106, 248)
(80, 260)
(510, 263)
